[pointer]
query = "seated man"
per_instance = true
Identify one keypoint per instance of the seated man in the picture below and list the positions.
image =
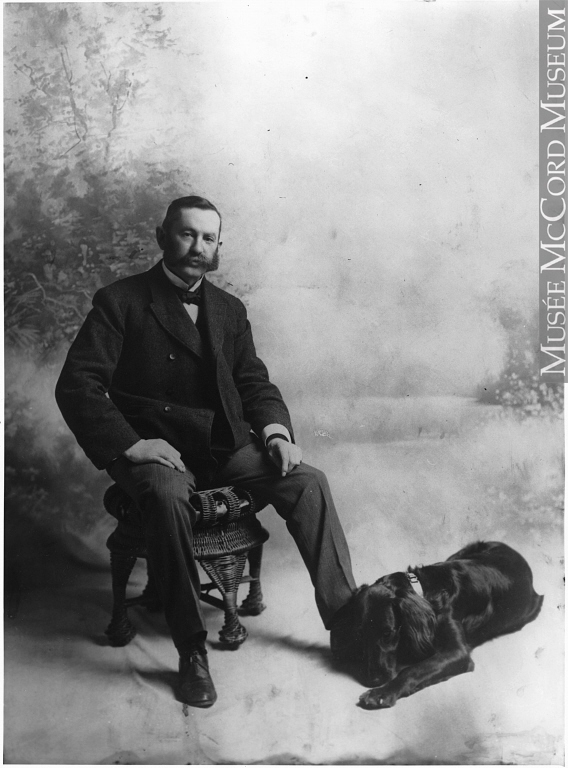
(163, 389)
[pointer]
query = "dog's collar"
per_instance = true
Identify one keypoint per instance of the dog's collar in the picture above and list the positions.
(415, 583)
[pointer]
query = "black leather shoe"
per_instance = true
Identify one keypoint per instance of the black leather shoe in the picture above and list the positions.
(342, 637)
(195, 686)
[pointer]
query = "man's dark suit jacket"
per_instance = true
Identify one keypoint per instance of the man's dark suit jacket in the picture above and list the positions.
(139, 368)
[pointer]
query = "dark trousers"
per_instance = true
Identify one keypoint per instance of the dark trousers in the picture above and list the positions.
(302, 498)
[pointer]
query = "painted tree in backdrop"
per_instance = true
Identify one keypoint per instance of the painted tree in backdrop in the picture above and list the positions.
(81, 187)
(80, 202)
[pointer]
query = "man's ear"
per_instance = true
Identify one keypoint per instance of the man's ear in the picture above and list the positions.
(160, 237)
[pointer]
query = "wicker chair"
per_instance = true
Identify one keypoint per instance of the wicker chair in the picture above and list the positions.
(222, 545)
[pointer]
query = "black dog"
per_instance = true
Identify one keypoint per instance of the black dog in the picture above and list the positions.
(403, 642)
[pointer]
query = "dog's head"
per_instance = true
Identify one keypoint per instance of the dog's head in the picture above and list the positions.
(383, 627)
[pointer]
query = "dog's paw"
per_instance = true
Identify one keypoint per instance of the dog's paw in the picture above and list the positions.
(377, 698)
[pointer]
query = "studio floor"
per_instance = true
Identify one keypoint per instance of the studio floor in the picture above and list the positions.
(72, 699)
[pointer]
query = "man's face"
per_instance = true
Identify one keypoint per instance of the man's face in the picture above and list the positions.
(190, 243)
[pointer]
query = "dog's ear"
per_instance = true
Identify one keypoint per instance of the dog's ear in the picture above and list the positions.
(418, 624)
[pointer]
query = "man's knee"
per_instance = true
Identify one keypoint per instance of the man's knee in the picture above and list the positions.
(311, 477)
(305, 492)
(160, 489)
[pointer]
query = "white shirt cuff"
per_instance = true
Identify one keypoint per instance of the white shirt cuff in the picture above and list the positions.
(273, 429)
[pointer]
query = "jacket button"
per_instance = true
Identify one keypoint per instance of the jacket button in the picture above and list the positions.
(172, 356)
(167, 408)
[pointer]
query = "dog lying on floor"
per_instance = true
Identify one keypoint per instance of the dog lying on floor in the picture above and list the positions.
(411, 630)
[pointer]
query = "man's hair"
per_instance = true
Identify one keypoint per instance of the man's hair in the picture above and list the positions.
(190, 201)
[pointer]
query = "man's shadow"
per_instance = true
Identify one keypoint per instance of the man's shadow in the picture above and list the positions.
(319, 652)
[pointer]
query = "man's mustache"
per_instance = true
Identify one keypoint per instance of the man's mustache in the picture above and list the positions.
(211, 264)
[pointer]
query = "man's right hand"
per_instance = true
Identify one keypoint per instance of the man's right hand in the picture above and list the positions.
(156, 451)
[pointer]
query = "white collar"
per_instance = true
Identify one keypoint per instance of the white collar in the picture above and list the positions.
(178, 282)
(415, 583)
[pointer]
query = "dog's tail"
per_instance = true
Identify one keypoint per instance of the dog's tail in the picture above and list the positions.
(535, 608)
(531, 613)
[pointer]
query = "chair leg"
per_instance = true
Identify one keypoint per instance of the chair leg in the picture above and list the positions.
(252, 605)
(226, 572)
(120, 631)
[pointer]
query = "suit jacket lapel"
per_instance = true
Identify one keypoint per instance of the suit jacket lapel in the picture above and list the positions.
(170, 312)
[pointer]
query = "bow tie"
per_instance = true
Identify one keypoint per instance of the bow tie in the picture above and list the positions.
(188, 296)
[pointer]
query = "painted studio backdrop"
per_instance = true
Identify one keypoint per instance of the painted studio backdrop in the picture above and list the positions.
(376, 168)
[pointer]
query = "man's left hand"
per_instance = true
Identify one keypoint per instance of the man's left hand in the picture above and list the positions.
(285, 455)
